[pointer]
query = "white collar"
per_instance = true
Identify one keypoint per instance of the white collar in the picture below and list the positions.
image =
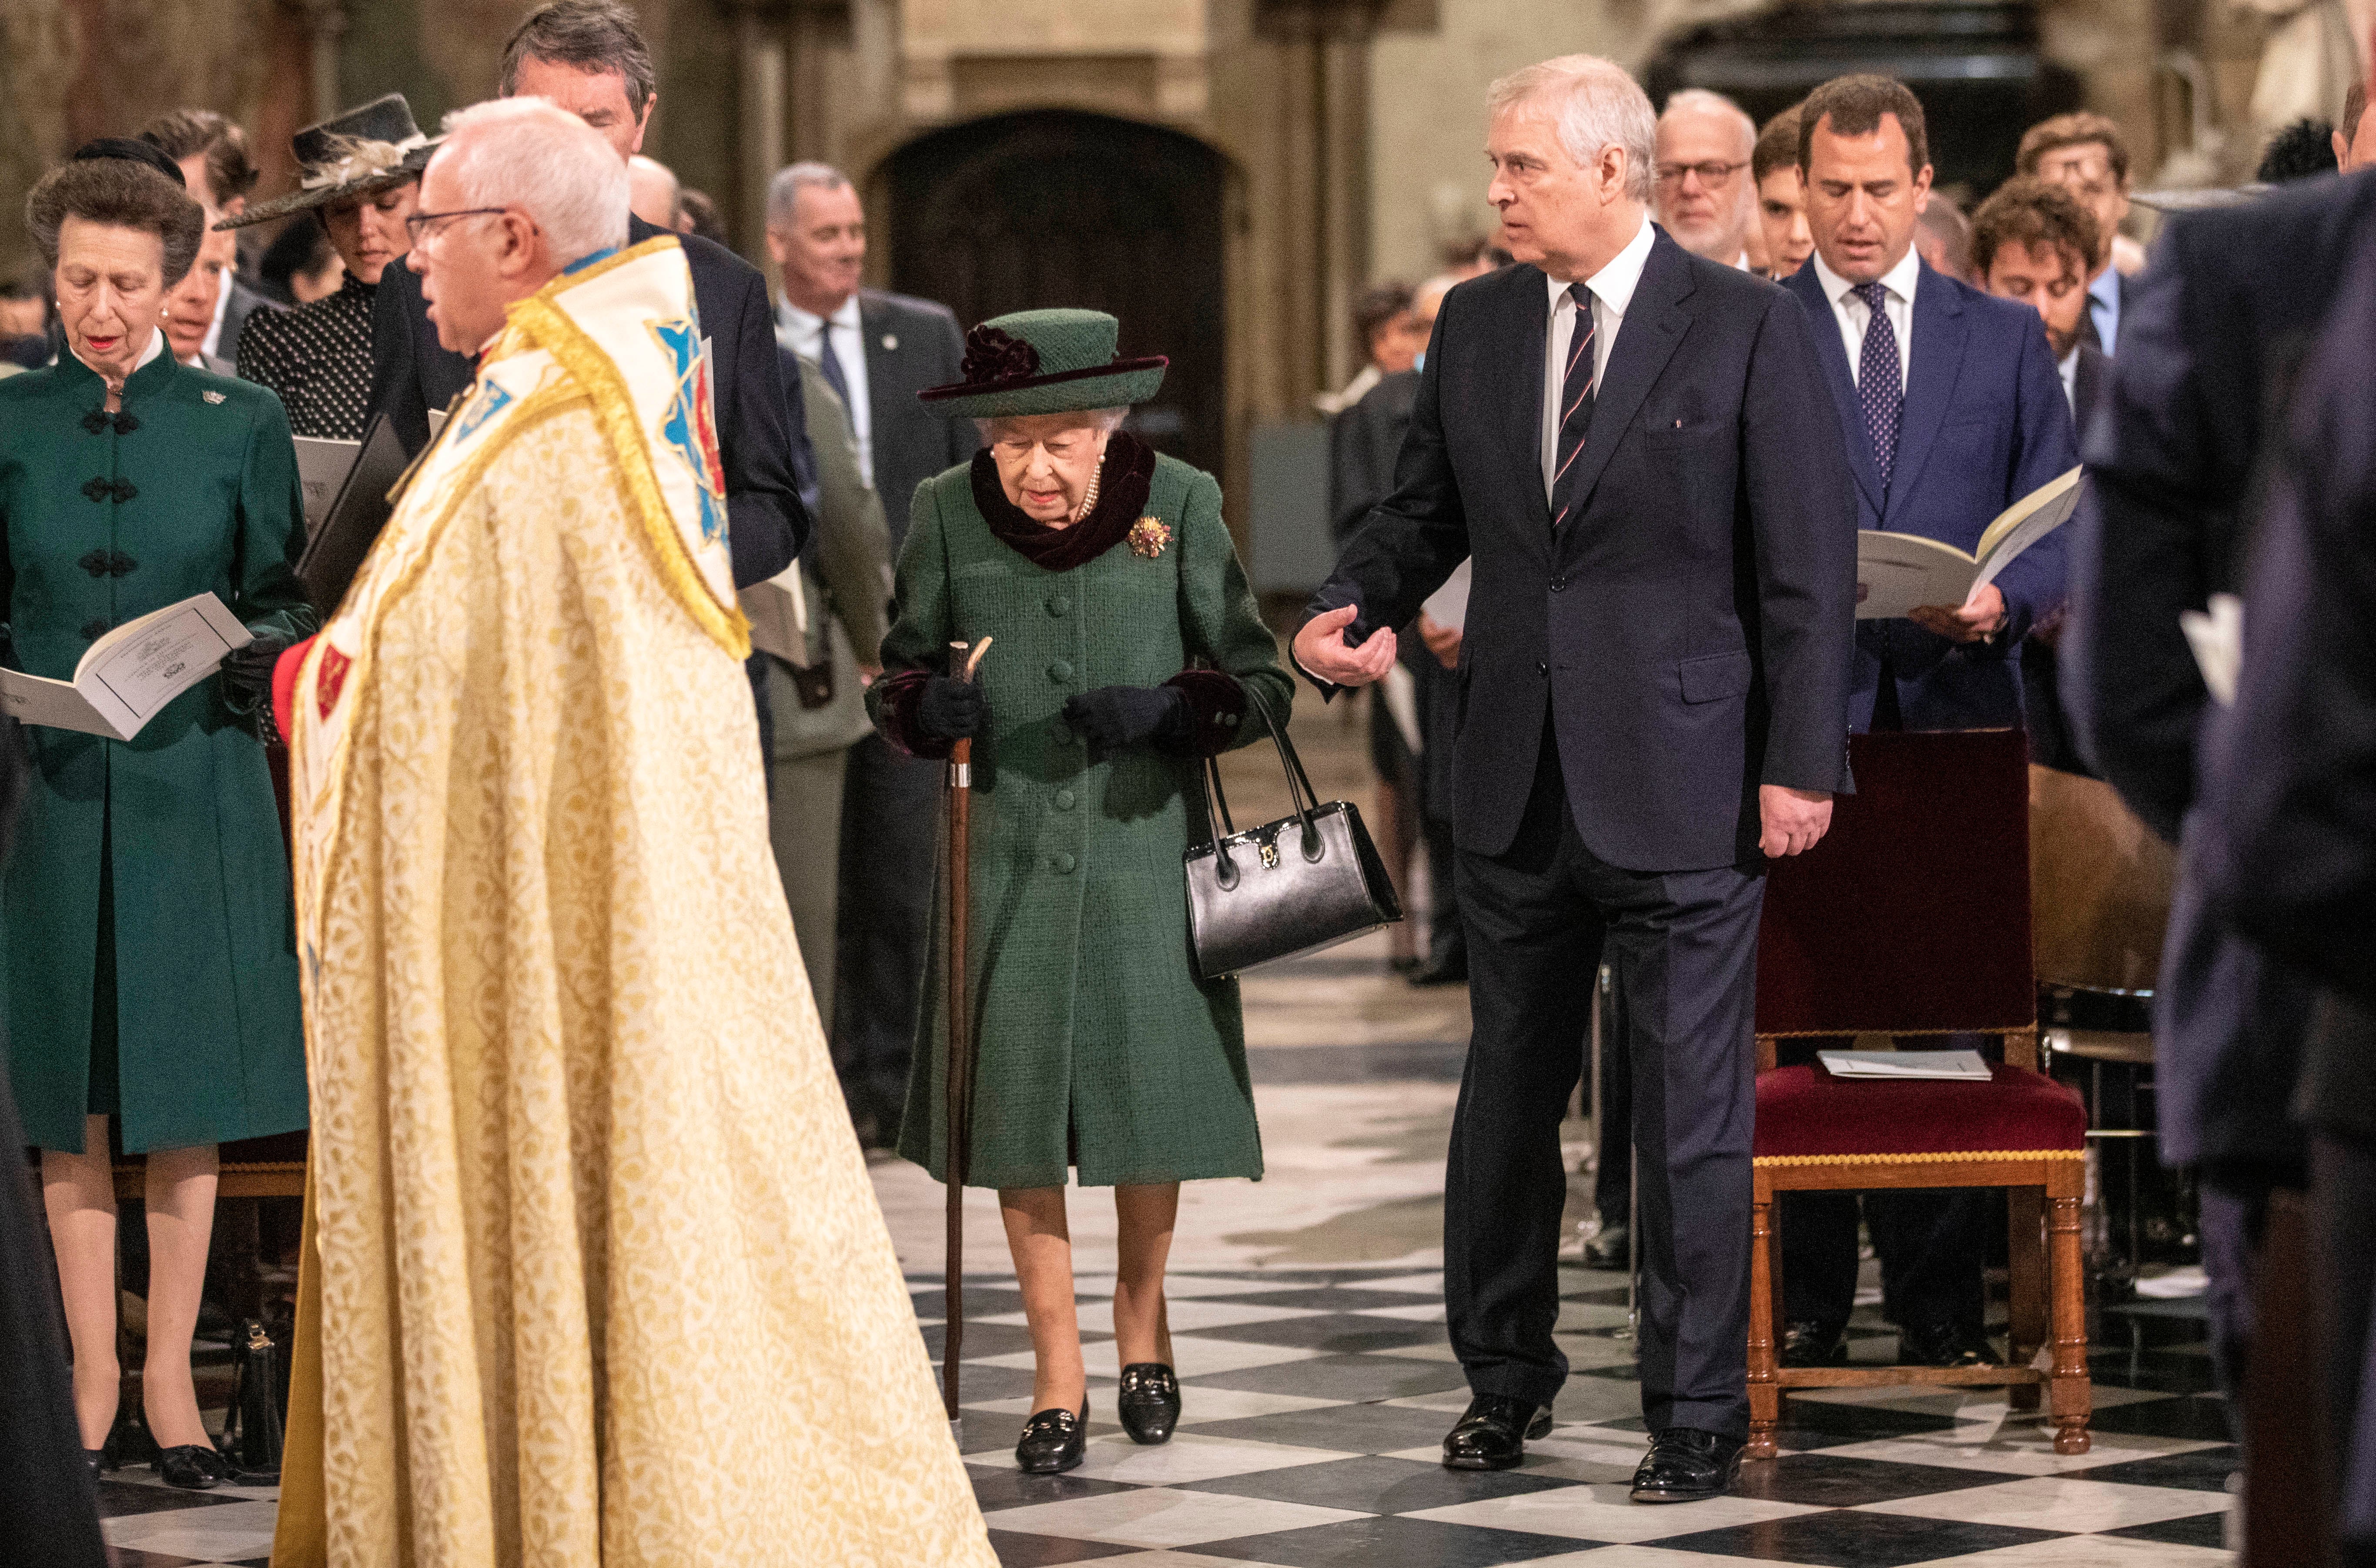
(1614, 284)
(809, 321)
(1899, 280)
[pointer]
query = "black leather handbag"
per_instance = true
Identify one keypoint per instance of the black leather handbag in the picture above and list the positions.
(1295, 885)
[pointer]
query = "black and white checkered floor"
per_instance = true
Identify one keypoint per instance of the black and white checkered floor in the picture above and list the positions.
(1315, 1401)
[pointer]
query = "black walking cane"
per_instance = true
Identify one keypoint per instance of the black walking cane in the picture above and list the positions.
(958, 1081)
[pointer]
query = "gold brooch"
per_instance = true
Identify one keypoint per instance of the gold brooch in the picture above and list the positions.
(1148, 536)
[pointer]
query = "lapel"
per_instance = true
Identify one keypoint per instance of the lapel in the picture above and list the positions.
(1645, 341)
(1808, 286)
(882, 374)
(1528, 327)
(1939, 332)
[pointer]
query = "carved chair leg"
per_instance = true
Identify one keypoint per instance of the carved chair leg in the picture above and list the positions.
(1765, 1392)
(2026, 1288)
(2073, 1395)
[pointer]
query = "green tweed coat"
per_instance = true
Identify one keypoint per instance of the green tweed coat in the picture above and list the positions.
(1100, 1047)
(209, 1046)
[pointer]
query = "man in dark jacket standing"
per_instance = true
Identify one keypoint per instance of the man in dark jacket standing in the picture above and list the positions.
(589, 57)
(1660, 521)
(876, 350)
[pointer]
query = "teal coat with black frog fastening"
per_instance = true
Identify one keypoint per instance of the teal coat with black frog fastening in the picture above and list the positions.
(1100, 1048)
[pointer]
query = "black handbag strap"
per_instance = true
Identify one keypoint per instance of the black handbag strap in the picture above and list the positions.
(1299, 784)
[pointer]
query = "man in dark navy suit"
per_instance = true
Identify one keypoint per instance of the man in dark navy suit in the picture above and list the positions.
(587, 56)
(1632, 448)
(1952, 411)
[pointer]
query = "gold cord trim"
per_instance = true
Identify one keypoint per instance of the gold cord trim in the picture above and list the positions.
(1937, 1158)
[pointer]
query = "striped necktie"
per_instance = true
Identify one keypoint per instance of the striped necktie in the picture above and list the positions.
(1575, 407)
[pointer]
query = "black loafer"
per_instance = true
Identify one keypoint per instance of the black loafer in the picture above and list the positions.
(191, 1467)
(1685, 1464)
(1807, 1343)
(1149, 1401)
(1945, 1345)
(1608, 1249)
(1054, 1441)
(1492, 1433)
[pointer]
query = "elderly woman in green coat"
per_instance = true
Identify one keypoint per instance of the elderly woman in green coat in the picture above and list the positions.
(150, 973)
(1127, 646)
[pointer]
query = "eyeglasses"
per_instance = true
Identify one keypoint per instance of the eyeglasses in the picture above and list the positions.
(1712, 174)
(417, 227)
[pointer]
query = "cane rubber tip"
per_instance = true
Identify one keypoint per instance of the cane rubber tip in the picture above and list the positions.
(956, 1433)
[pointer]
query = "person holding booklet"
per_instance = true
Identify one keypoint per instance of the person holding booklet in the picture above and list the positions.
(150, 978)
(1962, 446)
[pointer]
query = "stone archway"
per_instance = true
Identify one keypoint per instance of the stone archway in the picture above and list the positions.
(1061, 208)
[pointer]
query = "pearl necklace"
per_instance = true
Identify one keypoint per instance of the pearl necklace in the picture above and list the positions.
(1090, 496)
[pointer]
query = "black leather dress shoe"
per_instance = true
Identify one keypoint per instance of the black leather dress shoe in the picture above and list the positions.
(1492, 1433)
(1149, 1401)
(1945, 1345)
(1808, 1343)
(191, 1467)
(1608, 1249)
(1685, 1464)
(1054, 1441)
(97, 1459)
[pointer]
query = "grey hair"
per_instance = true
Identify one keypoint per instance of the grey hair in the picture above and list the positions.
(1700, 100)
(784, 190)
(1103, 421)
(585, 35)
(1596, 106)
(525, 152)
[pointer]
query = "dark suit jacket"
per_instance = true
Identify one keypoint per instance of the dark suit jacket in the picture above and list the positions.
(2091, 389)
(1364, 442)
(1687, 634)
(245, 302)
(758, 416)
(1985, 424)
(911, 344)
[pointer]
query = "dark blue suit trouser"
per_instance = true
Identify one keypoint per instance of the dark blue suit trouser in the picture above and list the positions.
(1684, 944)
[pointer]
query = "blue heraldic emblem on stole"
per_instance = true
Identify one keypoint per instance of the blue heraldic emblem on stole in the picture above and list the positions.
(690, 426)
(490, 400)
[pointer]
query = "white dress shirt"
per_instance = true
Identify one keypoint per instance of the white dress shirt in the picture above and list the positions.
(802, 332)
(1611, 289)
(2067, 367)
(1851, 313)
(2104, 307)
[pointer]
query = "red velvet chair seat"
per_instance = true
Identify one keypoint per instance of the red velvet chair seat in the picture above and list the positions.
(1804, 1111)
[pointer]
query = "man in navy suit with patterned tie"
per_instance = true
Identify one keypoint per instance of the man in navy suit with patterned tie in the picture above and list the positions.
(1953, 409)
(1633, 447)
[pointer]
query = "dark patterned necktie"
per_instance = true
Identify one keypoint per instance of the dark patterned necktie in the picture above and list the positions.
(1576, 406)
(830, 364)
(1880, 388)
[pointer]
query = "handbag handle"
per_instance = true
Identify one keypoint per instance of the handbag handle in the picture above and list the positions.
(1299, 791)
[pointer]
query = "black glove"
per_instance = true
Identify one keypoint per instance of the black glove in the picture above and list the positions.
(247, 684)
(951, 710)
(1113, 717)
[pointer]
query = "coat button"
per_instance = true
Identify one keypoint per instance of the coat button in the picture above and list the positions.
(1062, 669)
(1060, 863)
(1558, 584)
(1058, 604)
(1063, 800)
(94, 630)
(1542, 668)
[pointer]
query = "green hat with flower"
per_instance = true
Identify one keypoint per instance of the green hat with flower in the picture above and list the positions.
(1046, 361)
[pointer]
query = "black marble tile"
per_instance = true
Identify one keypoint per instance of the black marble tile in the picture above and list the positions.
(1390, 1542)
(2199, 1470)
(993, 1339)
(978, 1385)
(1324, 1298)
(1340, 1377)
(1340, 1334)
(2163, 1371)
(1430, 1061)
(1009, 1488)
(1592, 1286)
(1377, 1485)
(980, 1302)
(2202, 1419)
(1349, 1429)
(2145, 1329)
(2198, 1529)
(1827, 1422)
(1016, 1549)
(1830, 1480)
(1844, 1538)
(132, 1557)
(122, 1499)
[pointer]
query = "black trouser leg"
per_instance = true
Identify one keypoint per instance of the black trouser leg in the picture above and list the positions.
(1819, 1257)
(890, 822)
(1613, 1185)
(2343, 1248)
(1534, 948)
(1447, 938)
(1933, 1243)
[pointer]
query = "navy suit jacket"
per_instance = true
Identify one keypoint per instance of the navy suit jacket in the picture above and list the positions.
(759, 420)
(911, 344)
(1985, 424)
(1686, 634)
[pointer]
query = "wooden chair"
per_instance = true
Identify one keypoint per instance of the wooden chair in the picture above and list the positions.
(1913, 917)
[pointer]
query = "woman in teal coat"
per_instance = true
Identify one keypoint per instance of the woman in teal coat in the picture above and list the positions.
(150, 974)
(1128, 647)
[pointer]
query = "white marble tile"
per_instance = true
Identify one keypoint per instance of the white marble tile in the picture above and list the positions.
(1197, 1404)
(1187, 1457)
(233, 1521)
(1178, 1287)
(1642, 1557)
(2013, 1450)
(2055, 1503)
(1964, 1403)
(1162, 1516)
(1192, 1357)
(1187, 1314)
(2092, 1552)
(1181, 1560)
(1605, 1512)
(1418, 1312)
(1406, 1283)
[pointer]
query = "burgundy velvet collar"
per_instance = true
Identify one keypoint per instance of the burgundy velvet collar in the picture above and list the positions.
(1122, 499)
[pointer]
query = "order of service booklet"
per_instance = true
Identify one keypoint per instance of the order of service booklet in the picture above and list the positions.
(322, 468)
(1959, 1065)
(132, 671)
(1900, 571)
